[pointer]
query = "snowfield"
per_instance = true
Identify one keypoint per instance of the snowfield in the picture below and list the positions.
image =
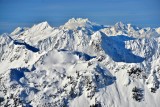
(80, 64)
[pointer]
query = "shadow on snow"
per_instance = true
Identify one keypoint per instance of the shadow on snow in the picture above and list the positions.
(29, 47)
(114, 46)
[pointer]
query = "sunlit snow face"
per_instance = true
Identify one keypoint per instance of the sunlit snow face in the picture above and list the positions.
(56, 57)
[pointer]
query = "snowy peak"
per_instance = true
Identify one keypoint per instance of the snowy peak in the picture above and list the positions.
(158, 30)
(4, 39)
(131, 30)
(75, 23)
(18, 30)
(79, 23)
(96, 36)
(41, 26)
(78, 20)
(35, 30)
(121, 25)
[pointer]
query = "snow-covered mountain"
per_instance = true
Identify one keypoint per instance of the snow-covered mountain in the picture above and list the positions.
(80, 64)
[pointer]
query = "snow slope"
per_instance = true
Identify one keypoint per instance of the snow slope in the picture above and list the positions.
(80, 64)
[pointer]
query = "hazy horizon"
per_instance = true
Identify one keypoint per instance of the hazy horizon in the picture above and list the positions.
(18, 13)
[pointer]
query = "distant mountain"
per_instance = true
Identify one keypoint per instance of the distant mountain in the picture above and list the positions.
(79, 23)
(80, 64)
(130, 30)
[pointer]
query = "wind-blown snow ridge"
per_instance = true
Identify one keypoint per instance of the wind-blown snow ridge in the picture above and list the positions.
(80, 64)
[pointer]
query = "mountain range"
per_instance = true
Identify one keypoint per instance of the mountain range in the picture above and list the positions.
(80, 64)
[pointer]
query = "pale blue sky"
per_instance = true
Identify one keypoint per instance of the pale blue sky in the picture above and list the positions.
(14, 13)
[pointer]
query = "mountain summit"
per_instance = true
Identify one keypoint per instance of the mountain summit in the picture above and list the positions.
(80, 64)
(79, 23)
(41, 26)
